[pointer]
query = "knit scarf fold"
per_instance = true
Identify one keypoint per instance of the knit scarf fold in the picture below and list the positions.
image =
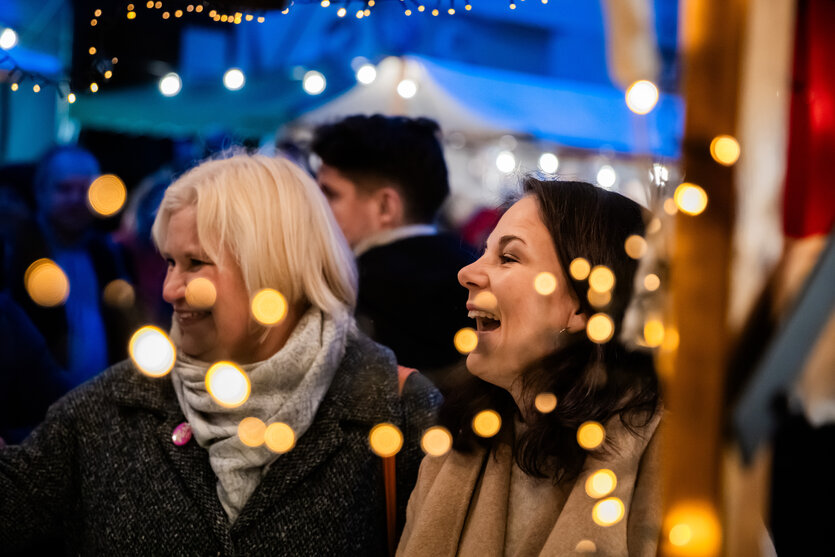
(288, 387)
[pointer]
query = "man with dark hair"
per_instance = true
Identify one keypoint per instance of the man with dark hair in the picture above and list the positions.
(385, 179)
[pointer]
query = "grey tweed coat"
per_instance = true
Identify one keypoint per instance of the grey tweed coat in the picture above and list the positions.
(101, 475)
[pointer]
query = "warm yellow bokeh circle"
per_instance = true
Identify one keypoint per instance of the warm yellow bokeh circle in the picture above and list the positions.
(385, 439)
(46, 283)
(107, 195)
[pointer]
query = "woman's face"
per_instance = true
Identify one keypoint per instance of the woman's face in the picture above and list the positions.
(516, 325)
(225, 331)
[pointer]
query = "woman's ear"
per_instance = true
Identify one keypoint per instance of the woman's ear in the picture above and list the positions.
(577, 321)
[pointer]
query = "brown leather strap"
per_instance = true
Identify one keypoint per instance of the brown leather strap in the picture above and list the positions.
(389, 477)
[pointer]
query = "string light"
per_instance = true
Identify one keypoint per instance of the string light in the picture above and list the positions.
(14, 86)
(108, 74)
(152, 351)
(548, 163)
(94, 87)
(725, 149)
(690, 198)
(385, 439)
(341, 12)
(36, 88)
(97, 13)
(71, 98)
(234, 79)
(641, 96)
(131, 15)
(92, 50)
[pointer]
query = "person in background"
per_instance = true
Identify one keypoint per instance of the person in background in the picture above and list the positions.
(84, 334)
(132, 464)
(522, 488)
(385, 179)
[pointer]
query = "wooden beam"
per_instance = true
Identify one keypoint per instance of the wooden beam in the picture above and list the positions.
(711, 43)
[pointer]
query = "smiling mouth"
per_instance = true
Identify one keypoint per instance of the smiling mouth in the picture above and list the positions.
(185, 318)
(485, 322)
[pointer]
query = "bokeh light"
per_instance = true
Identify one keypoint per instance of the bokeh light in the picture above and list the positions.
(314, 82)
(486, 300)
(436, 441)
(545, 283)
(607, 177)
(407, 88)
(506, 162)
(635, 246)
(201, 293)
(548, 163)
(251, 431)
(652, 282)
(590, 435)
(725, 149)
(107, 195)
(119, 294)
(269, 306)
(601, 483)
(585, 546)
(279, 437)
(670, 206)
(170, 84)
(641, 96)
(545, 402)
(579, 268)
(671, 339)
(607, 512)
(602, 278)
(681, 534)
(8, 38)
(653, 332)
(227, 384)
(690, 198)
(465, 340)
(599, 299)
(692, 527)
(385, 439)
(152, 351)
(654, 225)
(46, 283)
(600, 328)
(487, 423)
(366, 74)
(234, 79)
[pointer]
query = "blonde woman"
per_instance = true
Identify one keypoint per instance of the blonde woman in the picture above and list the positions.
(129, 464)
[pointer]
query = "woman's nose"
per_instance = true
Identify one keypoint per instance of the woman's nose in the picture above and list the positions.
(471, 276)
(174, 287)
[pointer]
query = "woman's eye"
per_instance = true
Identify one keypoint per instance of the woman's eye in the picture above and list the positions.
(197, 263)
(505, 258)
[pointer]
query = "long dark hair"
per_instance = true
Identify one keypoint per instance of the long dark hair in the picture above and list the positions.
(591, 381)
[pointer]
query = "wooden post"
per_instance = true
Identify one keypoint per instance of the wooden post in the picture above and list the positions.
(711, 41)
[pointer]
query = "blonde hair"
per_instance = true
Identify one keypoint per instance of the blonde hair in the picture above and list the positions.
(270, 216)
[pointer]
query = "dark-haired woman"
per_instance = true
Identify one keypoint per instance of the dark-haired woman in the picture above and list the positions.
(527, 490)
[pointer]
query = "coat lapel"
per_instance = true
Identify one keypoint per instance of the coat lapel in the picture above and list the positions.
(190, 462)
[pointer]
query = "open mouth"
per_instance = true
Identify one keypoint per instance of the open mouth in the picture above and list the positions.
(485, 321)
(189, 317)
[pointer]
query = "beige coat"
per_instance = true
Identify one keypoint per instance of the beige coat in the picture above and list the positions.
(459, 505)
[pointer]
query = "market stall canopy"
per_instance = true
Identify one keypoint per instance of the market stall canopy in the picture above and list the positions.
(486, 102)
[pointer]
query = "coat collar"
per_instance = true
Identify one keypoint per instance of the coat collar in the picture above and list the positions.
(364, 390)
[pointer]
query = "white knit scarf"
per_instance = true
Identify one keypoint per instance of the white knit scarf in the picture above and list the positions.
(288, 387)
